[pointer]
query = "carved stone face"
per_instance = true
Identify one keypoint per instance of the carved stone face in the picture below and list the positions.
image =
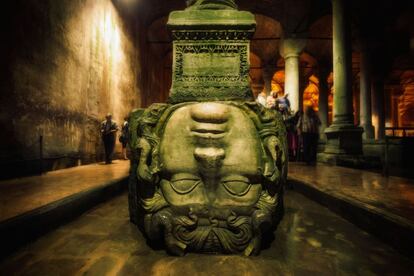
(211, 159)
(214, 172)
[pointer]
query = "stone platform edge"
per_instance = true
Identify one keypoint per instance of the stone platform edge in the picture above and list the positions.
(22, 229)
(394, 230)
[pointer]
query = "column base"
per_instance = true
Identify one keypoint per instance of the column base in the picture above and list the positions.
(369, 132)
(350, 161)
(343, 140)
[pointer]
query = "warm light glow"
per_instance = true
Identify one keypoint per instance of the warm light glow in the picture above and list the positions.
(311, 94)
(278, 82)
(107, 40)
(111, 35)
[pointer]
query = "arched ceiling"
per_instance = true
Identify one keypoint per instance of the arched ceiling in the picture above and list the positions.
(320, 42)
(294, 15)
(276, 18)
(266, 40)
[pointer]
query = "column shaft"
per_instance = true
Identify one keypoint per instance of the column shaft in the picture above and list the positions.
(323, 101)
(292, 81)
(342, 64)
(379, 108)
(365, 115)
(290, 49)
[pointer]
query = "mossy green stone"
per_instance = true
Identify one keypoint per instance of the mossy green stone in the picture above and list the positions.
(211, 164)
(211, 19)
(211, 55)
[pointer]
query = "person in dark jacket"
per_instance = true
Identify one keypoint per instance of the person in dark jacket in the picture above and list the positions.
(108, 133)
(123, 138)
(308, 128)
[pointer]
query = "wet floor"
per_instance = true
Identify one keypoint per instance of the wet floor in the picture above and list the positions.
(21, 195)
(311, 240)
(391, 194)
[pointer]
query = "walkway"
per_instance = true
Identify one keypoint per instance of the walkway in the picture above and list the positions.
(390, 194)
(311, 240)
(33, 206)
(21, 195)
(382, 206)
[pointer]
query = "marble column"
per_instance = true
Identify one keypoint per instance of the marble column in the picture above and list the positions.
(379, 108)
(290, 50)
(342, 64)
(344, 139)
(365, 109)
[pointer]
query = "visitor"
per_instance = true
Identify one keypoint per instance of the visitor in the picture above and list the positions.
(292, 135)
(283, 106)
(261, 98)
(308, 128)
(108, 132)
(123, 138)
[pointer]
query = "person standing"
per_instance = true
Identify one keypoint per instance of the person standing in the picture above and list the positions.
(108, 132)
(123, 138)
(292, 135)
(308, 128)
(283, 104)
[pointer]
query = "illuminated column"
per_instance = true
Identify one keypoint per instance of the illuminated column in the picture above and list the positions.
(344, 140)
(365, 115)
(290, 50)
(379, 108)
(323, 100)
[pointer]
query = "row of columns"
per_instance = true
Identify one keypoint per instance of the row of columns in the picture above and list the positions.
(371, 98)
(342, 136)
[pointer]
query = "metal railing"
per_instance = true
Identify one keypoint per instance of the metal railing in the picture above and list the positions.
(399, 131)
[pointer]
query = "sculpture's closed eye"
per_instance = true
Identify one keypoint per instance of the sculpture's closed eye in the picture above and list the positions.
(184, 184)
(236, 185)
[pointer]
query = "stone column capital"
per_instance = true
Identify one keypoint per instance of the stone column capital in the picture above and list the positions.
(292, 47)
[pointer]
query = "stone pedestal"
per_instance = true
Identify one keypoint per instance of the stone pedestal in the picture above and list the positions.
(344, 140)
(343, 146)
(211, 55)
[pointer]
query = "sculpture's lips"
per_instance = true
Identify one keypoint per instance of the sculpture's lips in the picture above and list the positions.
(212, 113)
(211, 131)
